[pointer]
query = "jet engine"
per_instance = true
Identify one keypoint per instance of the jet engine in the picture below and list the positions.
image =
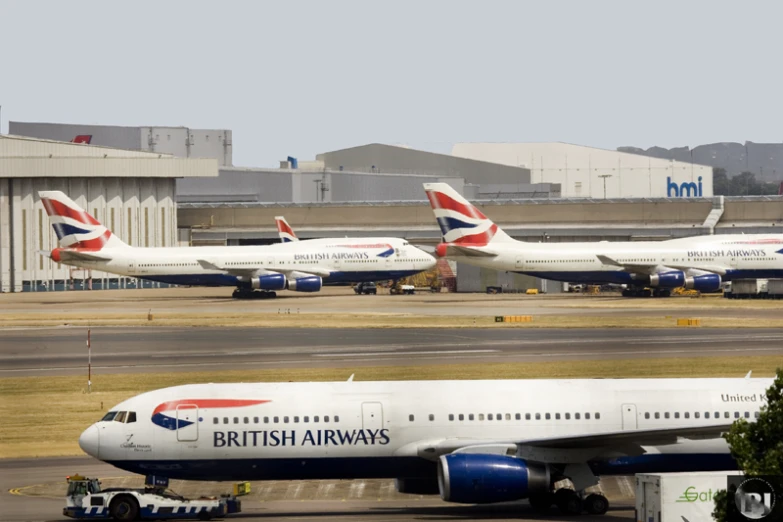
(673, 279)
(305, 284)
(704, 283)
(268, 282)
(483, 479)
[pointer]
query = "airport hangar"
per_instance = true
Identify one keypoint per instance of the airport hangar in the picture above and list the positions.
(535, 191)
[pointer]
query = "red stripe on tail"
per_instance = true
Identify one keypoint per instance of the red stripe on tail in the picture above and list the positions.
(439, 200)
(55, 208)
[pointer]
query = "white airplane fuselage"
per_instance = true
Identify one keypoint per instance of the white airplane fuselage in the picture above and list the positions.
(398, 429)
(345, 260)
(731, 257)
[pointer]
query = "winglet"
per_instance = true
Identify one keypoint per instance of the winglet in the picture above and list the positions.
(608, 260)
(350, 379)
(748, 375)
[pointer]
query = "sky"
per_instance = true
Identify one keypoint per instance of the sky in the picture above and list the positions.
(297, 78)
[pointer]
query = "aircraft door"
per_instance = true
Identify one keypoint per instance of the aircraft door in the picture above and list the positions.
(372, 415)
(629, 417)
(187, 422)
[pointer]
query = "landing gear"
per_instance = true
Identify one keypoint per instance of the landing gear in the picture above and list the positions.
(596, 504)
(242, 293)
(568, 501)
(541, 502)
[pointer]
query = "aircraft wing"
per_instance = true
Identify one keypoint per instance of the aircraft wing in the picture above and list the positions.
(569, 449)
(252, 271)
(458, 250)
(653, 268)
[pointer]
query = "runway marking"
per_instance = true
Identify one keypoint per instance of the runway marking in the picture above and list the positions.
(399, 354)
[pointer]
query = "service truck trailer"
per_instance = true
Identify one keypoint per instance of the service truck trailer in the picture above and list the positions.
(675, 497)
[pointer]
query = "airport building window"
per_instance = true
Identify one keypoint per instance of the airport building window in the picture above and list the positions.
(432, 417)
(451, 416)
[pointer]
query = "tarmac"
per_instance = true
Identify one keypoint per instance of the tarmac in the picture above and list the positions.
(61, 350)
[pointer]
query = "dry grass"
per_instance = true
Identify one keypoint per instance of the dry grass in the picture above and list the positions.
(376, 320)
(43, 416)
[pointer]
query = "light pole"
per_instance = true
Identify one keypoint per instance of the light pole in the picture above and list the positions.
(604, 176)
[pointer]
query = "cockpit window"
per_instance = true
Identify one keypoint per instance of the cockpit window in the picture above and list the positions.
(120, 417)
(131, 417)
(109, 416)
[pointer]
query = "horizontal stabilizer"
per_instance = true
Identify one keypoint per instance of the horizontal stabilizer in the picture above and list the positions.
(466, 251)
(75, 255)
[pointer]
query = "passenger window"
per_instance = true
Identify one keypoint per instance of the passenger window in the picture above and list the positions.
(706, 415)
(316, 418)
(736, 415)
(451, 416)
(498, 416)
(548, 416)
(247, 420)
(326, 418)
(276, 419)
(666, 415)
(131, 417)
(646, 415)
(597, 415)
(215, 420)
(717, 415)
(747, 414)
(255, 420)
(576, 416)
(410, 418)
(470, 416)
(296, 418)
(461, 416)
(557, 416)
(725, 415)
(518, 416)
(657, 415)
(568, 416)
(225, 420)
(120, 417)
(527, 416)
(676, 414)
(336, 418)
(587, 416)
(696, 415)
(285, 419)
(538, 416)
(432, 417)
(687, 415)
(508, 416)
(756, 414)
(306, 418)
(266, 420)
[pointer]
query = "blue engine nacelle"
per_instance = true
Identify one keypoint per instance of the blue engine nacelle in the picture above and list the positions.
(704, 283)
(305, 284)
(268, 282)
(481, 478)
(674, 279)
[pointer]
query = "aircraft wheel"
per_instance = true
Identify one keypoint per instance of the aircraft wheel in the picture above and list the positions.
(568, 501)
(596, 504)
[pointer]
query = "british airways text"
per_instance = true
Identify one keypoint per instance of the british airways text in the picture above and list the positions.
(273, 438)
(322, 256)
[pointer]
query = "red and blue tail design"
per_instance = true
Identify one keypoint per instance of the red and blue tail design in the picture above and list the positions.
(173, 423)
(75, 228)
(460, 222)
(284, 230)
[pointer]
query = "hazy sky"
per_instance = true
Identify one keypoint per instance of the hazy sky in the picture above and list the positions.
(298, 78)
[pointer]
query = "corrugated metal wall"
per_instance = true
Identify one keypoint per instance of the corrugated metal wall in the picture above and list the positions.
(141, 212)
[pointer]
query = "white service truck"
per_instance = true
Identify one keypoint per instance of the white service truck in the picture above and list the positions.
(86, 500)
(678, 497)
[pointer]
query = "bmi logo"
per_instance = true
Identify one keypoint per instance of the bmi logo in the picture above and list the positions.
(683, 190)
(755, 498)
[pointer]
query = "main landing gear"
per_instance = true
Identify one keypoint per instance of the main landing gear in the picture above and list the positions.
(242, 293)
(646, 292)
(571, 502)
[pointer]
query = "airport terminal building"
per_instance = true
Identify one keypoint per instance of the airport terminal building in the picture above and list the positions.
(539, 192)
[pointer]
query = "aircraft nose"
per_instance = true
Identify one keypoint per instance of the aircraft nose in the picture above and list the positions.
(90, 441)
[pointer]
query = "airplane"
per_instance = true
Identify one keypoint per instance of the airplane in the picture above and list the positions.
(255, 271)
(285, 231)
(703, 263)
(480, 441)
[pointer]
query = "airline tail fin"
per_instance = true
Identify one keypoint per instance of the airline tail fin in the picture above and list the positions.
(76, 228)
(284, 230)
(460, 222)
